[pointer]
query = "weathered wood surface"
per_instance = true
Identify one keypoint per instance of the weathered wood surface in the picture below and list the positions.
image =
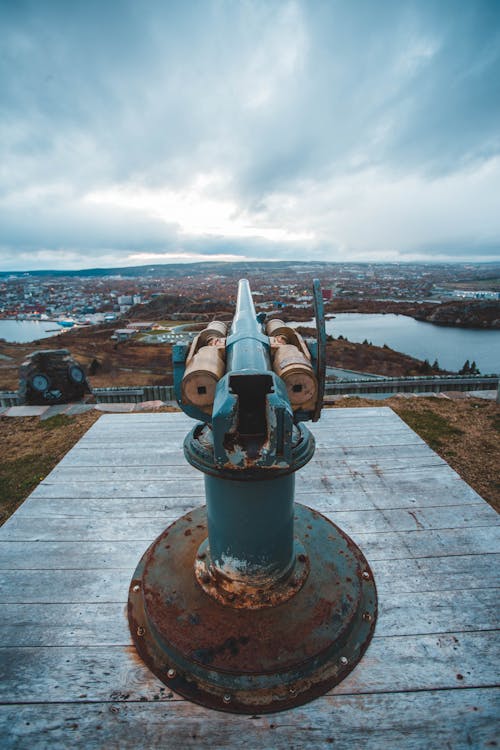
(392, 721)
(69, 676)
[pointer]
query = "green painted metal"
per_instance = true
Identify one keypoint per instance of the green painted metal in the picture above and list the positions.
(247, 346)
(250, 526)
(252, 603)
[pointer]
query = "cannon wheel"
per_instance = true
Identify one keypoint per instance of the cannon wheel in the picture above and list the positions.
(319, 314)
(39, 382)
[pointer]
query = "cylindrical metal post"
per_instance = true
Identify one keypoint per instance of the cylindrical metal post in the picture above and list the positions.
(250, 528)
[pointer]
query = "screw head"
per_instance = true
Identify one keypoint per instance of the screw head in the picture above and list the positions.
(171, 674)
(367, 616)
(141, 630)
(366, 575)
(227, 699)
(136, 588)
(292, 691)
(344, 660)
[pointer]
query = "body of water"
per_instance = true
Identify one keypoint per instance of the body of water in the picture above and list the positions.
(23, 331)
(450, 346)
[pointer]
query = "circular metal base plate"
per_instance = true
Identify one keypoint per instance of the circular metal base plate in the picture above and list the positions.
(248, 660)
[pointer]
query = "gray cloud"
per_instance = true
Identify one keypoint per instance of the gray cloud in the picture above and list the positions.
(289, 117)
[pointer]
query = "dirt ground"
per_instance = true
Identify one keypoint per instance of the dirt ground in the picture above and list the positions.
(464, 431)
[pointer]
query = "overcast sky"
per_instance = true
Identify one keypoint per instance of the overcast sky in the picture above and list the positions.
(158, 131)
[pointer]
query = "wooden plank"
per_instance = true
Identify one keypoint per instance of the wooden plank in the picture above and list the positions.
(121, 505)
(178, 417)
(396, 664)
(426, 479)
(430, 539)
(389, 435)
(437, 611)
(338, 473)
(118, 554)
(467, 719)
(81, 586)
(330, 423)
(28, 527)
(170, 454)
(335, 467)
(104, 622)
(67, 555)
(323, 441)
(428, 543)
(434, 486)
(134, 504)
(448, 574)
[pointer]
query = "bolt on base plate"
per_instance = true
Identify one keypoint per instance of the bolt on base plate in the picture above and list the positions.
(252, 660)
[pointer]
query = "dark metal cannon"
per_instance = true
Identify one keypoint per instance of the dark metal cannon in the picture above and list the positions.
(52, 376)
(252, 603)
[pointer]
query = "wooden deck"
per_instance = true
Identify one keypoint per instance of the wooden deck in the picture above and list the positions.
(69, 676)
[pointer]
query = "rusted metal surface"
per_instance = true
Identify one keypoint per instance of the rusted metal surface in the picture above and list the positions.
(239, 588)
(252, 660)
(252, 603)
(199, 451)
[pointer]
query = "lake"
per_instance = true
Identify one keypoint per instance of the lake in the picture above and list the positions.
(450, 346)
(23, 331)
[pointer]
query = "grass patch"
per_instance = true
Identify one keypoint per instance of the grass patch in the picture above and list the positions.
(432, 427)
(55, 422)
(20, 477)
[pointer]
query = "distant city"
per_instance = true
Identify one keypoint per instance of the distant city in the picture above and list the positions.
(46, 295)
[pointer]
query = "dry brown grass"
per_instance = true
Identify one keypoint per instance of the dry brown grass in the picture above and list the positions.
(30, 448)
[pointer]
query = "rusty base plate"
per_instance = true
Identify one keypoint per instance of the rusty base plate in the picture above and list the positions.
(247, 660)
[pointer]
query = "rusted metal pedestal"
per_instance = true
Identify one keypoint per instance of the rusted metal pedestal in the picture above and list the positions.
(253, 660)
(253, 603)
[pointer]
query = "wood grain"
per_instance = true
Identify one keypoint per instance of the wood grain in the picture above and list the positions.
(69, 676)
(392, 721)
